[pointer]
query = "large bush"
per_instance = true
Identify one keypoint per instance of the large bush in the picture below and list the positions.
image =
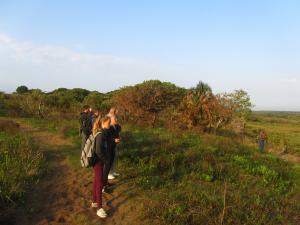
(145, 101)
(203, 109)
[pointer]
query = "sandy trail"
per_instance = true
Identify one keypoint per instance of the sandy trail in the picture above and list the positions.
(63, 194)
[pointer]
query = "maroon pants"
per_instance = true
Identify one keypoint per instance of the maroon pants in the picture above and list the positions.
(98, 183)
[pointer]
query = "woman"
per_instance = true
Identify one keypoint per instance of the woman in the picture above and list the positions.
(115, 130)
(101, 150)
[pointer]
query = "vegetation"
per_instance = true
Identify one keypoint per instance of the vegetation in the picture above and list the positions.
(152, 103)
(186, 161)
(185, 178)
(283, 129)
(144, 102)
(20, 163)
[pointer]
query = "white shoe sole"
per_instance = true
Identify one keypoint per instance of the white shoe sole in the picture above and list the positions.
(104, 215)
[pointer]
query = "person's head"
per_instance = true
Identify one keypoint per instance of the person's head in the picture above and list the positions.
(105, 122)
(114, 120)
(113, 111)
(101, 123)
(97, 112)
(85, 108)
(90, 109)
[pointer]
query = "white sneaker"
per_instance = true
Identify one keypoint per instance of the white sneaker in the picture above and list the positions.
(94, 205)
(101, 213)
(115, 174)
(111, 177)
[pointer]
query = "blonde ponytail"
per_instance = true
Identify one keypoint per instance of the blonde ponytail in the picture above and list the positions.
(97, 125)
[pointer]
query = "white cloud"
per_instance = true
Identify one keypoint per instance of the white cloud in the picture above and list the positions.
(49, 67)
(291, 80)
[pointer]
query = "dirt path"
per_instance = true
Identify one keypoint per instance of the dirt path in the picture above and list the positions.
(63, 194)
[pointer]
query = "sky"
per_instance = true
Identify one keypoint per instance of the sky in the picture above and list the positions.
(103, 45)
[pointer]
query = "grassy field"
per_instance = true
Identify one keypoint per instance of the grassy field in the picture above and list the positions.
(187, 178)
(283, 129)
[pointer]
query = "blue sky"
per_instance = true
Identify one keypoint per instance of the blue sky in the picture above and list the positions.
(102, 45)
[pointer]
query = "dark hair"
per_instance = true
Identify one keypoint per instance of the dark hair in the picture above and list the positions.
(85, 107)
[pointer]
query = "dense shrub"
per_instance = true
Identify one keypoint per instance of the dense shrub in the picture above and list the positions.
(19, 164)
(144, 102)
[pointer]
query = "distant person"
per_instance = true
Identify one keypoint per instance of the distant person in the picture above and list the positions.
(85, 125)
(115, 130)
(101, 150)
(262, 140)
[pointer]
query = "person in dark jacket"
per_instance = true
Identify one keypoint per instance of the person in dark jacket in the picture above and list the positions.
(115, 130)
(85, 125)
(101, 149)
(107, 164)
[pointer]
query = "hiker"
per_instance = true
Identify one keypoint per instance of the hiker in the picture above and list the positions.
(101, 150)
(115, 130)
(107, 164)
(262, 139)
(85, 125)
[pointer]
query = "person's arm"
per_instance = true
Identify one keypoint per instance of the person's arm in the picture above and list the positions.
(99, 146)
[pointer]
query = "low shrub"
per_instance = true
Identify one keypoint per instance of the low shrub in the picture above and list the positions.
(20, 163)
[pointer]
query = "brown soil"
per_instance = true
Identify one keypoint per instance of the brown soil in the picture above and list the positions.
(8, 125)
(63, 194)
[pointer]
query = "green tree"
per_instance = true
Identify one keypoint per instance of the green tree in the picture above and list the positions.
(202, 88)
(146, 100)
(95, 99)
(22, 89)
(79, 94)
(240, 103)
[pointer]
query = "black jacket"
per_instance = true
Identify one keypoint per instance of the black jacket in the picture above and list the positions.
(85, 121)
(102, 146)
(114, 132)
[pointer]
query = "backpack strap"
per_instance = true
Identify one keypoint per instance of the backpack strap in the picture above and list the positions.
(97, 134)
